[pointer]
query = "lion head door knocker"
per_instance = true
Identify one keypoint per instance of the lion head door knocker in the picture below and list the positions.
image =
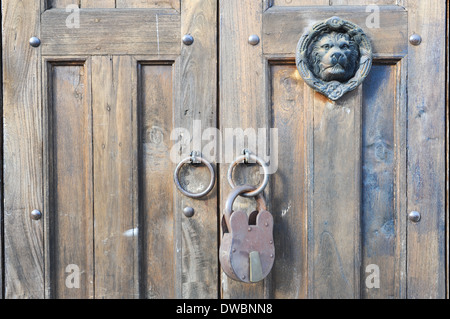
(334, 57)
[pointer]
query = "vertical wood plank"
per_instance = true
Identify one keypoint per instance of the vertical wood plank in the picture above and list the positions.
(2, 287)
(68, 159)
(1, 170)
(156, 190)
(98, 4)
(380, 225)
(243, 100)
(400, 279)
(334, 238)
(448, 152)
(289, 277)
(426, 150)
(198, 264)
(114, 161)
(22, 138)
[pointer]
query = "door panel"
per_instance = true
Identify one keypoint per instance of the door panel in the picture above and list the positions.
(96, 119)
(69, 162)
(98, 150)
(156, 92)
(339, 196)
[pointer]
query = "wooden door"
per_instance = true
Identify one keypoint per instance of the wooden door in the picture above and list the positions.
(88, 118)
(350, 171)
(96, 118)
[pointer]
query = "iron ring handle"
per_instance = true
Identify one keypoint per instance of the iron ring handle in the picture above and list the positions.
(258, 160)
(190, 160)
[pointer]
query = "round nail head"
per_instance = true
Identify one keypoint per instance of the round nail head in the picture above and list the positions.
(415, 217)
(188, 39)
(253, 39)
(35, 42)
(415, 39)
(36, 215)
(188, 212)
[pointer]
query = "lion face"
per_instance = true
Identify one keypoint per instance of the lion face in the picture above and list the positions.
(334, 57)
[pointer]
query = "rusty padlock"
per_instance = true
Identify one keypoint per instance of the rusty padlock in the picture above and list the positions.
(247, 250)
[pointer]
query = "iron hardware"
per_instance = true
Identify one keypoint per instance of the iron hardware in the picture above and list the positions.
(414, 216)
(35, 42)
(247, 251)
(188, 39)
(36, 215)
(192, 160)
(246, 158)
(253, 39)
(415, 39)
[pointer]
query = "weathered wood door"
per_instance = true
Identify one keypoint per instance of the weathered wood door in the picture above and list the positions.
(87, 140)
(349, 172)
(92, 115)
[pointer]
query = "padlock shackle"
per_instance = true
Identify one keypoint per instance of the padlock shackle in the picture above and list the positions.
(235, 192)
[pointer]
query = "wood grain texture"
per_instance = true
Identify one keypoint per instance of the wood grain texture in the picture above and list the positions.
(426, 150)
(388, 40)
(300, 3)
(112, 31)
(62, 3)
(448, 152)
(334, 236)
(22, 140)
(114, 145)
(380, 226)
(156, 190)
(197, 95)
(69, 185)
(288, 193)
(362, 2)
(243, 100)
(174, 4)
(98, 4)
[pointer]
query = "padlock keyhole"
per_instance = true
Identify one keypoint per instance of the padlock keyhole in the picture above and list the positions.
(252, 218)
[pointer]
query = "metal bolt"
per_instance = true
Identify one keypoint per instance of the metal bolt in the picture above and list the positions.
(234, 250)
(271, 242)
(253, 39)
(188, 211)
(35, 42)
(36, 215)
(414, 217)
(243, 277)
(188, 39)
(249, 229)
(415, 39)
(271, 255)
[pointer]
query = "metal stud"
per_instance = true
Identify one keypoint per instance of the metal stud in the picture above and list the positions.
(188, 211)
(36, 215)
(253, 39)
(188, 39)
(35, 42)
(415, 39)
(414, 216)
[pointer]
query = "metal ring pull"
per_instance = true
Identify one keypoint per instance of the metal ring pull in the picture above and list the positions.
(192, 159)
(244, 158)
